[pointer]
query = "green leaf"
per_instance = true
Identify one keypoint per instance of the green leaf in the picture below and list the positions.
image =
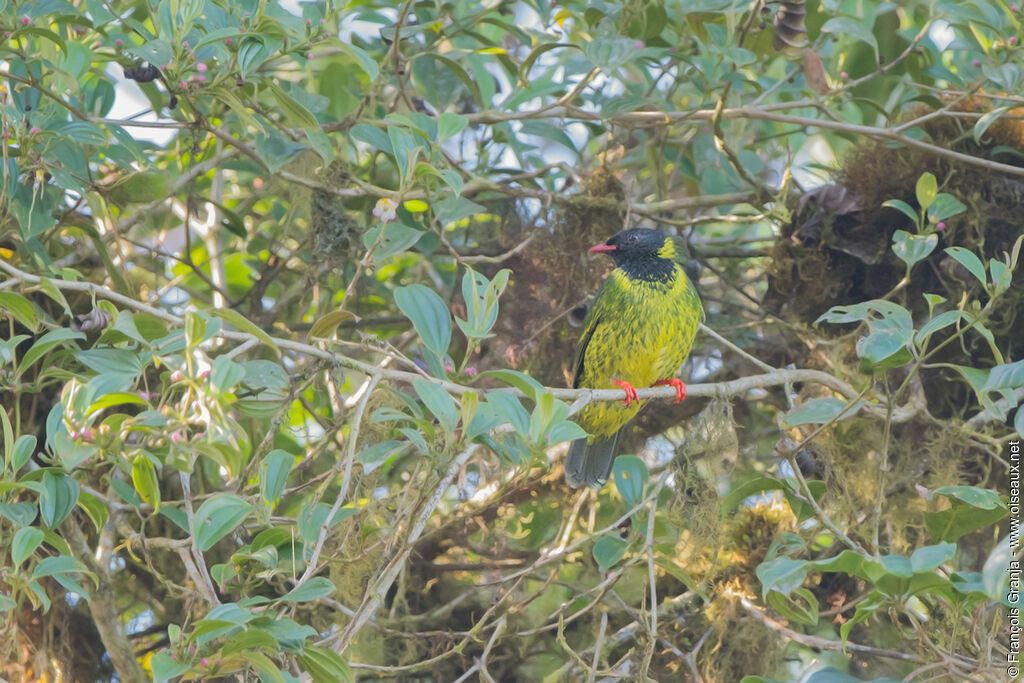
(750, 487)
(293, 111)
(926, 189)
(365, 60)
(974, 496)
(520, 380)
(397, 238)
(145, 480)
(997, 571)
(376, 455)
(945, 206)
(1006, 376)
(20, 514)
(314, 589)
(429, 315)
(156, 52)
(195, 329)
(508, 408)
(47, 342)
(25, 542)
(250, 55)
(566, 430)
(846, 26)
(243, 324)
(23, 449)
(901, 205)
(608, 551)
(986, 120)
(800, 606)
(631, 476)
(249, 640)
(963, 517)
(783, 574)
(890, 330)
(449, 125)
(969, 261)
(929, 557)
(225, 374)
(217, 517)
(405, 151)
(20, 308)
(819, 411)
(913, 248)
(326, 325)
(324, 666)
(438, 402)
(95, 508)
(372, 136)
(937, 323)
(274, 473)
(58, 499)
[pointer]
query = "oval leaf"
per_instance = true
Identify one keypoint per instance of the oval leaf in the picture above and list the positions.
(218, 517)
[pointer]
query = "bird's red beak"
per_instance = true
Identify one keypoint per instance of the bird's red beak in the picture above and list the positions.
(599, 248)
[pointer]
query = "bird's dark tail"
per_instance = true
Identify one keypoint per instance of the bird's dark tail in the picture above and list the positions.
(590, 463)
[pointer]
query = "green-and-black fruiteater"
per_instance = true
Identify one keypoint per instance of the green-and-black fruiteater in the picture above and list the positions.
(637, 334)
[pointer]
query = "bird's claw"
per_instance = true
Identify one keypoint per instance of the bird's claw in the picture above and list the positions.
(630, 391)
(677, 383)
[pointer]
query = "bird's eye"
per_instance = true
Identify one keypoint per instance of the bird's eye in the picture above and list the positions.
(634, 237)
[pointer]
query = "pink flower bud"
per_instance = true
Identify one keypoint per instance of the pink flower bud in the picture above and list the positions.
(940, 226)
(471, 371)
(184, 43)
(201, 67)
(175, 437)
(1013, 40)
(227, 40)
(976, 63)
(34, 130)
(176, 376)
(24, 21)
(204, 662)
(119, 42)
(844, 75)
(182, 84)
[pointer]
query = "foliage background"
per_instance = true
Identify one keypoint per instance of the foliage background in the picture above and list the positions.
(243, 438)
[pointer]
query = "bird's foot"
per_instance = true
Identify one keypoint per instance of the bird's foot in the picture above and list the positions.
(630, 391)
(677, 383)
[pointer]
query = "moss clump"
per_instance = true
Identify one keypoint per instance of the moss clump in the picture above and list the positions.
(335, 233)
(842, 235)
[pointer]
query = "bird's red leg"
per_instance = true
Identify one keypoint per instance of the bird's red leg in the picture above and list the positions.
(628, 388)
(677, 383)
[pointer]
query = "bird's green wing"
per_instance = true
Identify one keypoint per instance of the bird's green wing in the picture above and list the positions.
(590, 322)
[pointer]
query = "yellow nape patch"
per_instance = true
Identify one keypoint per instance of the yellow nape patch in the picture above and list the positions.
(668, 250)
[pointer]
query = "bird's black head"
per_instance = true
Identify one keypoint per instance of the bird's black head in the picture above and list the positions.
(643, 253)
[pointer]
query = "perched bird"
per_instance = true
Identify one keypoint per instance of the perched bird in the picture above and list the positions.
(637, 334)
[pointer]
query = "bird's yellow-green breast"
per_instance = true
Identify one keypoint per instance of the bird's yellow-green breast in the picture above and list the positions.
(640, 330)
